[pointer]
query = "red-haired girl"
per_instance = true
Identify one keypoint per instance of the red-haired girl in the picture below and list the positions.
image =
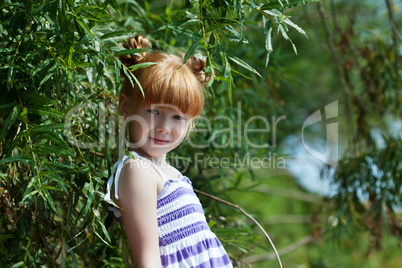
(162, 217)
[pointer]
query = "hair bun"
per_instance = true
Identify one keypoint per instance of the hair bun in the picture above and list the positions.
(136, 42)
(197, 65)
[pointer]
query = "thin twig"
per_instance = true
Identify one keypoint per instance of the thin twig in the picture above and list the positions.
(334, 19)
(245, 213)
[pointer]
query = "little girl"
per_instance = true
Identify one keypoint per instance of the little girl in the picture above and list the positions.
(162, 217)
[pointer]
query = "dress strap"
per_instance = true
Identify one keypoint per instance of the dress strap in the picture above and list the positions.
(116, 168)
(116, 177)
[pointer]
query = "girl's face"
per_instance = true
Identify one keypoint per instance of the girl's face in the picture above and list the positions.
(156, 129)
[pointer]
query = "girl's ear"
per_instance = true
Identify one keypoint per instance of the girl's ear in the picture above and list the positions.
(123, 105)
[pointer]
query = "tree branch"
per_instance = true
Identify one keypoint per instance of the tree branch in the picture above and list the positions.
(245, 213)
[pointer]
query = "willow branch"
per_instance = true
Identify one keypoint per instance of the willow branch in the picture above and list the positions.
(334, 18)
(245, 213)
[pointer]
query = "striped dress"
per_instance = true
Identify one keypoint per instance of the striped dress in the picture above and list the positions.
(185, 239)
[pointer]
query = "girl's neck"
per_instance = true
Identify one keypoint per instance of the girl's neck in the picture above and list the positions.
(158, 161)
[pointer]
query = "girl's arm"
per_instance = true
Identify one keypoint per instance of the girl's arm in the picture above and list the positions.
(138, 197)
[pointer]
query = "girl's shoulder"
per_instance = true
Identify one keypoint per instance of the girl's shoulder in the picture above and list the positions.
(138, 179)
(139, 173)
(138, 166)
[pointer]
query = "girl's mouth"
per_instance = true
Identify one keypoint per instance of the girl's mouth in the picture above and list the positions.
(159, 141)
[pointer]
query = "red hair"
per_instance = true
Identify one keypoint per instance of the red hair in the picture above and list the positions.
(169, 81)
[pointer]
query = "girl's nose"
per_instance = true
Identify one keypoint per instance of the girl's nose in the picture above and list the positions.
(163, 127)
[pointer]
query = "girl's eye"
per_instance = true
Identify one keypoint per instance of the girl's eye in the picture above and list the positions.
(152, 111)
(178, 117)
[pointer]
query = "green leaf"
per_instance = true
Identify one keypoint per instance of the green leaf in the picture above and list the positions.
(74, 247)
(49, 199)
(130, 77)
(56, 139)
(5, 237)
(62, 260)
(290, 23)
(117, 33)
(18, 264)
(214, 26)
(50, 73)
(43, 65)
(244, 64)
(42, 7)
(40, 110)
(104, 230)
(130, 51)
(55, 177)
(46, 128)
(35, 98)
(101, 238)
(24, 115)
(277, 4)
(286, 37)
(232, 30)
(267, 34)
(268, 38)
(222, 53)
(8, 105)
(65, 245)
(9, 122)
(117, 75)
(47, 149)
(28, 194)
(90, 196)
(182, 32)
(184, 22)
(190, 51)
(70, 55)
(239, 73)
(141, 65)
(58, 165)
(84, 26)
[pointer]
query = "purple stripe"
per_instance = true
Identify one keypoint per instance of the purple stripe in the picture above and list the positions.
(174, 195)
(183, 232)
(186, 179)
(215, 262)
(179, 213)
(190, 251)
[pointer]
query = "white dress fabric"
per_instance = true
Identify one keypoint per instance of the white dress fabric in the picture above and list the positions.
(185, 239)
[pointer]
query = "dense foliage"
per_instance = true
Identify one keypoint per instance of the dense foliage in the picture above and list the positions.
(60, 78)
